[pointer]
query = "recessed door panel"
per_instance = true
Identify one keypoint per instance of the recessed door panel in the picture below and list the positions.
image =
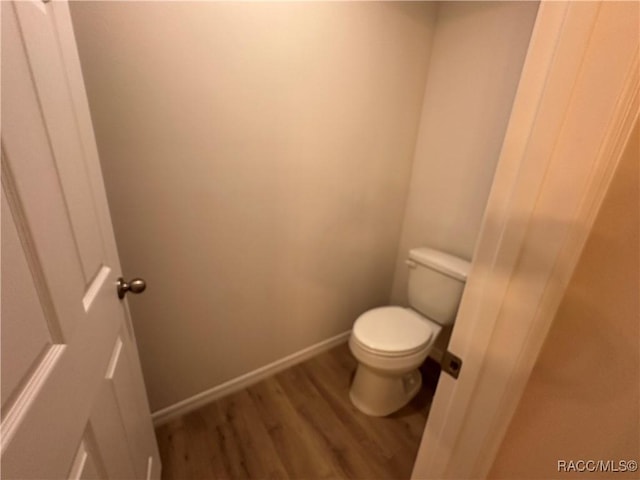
(122, 383)
(25, 336)
(62, 128)
(88, 464)
(29, 167)
(106, 421)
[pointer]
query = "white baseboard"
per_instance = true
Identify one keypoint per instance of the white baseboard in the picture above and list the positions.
(196, 401)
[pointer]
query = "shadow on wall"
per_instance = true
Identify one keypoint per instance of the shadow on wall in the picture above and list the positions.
(475, 65)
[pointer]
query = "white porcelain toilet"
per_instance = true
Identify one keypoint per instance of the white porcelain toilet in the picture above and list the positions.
(390, 343)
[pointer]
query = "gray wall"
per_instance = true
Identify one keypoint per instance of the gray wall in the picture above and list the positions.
(269, 165)
(477, 55)
(256, 158)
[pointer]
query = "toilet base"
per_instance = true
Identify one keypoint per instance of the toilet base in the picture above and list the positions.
(377, 394)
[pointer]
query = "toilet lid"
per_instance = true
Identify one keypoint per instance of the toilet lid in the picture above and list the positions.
(392, 330)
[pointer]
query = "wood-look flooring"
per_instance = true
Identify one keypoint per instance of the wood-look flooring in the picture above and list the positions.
(298, 424)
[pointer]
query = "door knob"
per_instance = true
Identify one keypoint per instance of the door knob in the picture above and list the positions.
(137, 285)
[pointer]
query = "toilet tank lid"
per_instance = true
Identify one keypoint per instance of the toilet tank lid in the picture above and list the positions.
(443, 262)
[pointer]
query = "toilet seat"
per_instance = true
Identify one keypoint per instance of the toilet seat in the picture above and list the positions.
(393, 331)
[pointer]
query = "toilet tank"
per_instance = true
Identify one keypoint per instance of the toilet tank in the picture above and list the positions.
(436, 282)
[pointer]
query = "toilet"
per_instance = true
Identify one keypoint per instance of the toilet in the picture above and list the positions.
(390, 343)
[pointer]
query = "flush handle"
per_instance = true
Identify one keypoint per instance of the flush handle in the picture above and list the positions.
(137, 285)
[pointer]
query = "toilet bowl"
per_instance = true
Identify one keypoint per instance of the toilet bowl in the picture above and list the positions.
(390, 343)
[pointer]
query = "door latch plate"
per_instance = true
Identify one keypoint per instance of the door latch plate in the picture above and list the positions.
(451, 364)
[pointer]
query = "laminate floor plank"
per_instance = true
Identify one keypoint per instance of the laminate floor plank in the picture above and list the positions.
(172, 439)
(393, 434)
(221, 421)
(383, 438)
(206, 458)
(346, 453)
(298, 449)
(246, 449)
(256, 451)
(298, 424)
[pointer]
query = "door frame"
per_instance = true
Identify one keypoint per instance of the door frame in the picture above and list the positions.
(565, 137)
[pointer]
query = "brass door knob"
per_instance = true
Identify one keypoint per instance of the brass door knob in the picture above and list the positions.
(137, 285)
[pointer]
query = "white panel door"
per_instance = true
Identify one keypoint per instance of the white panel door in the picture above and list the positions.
(73, 399)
